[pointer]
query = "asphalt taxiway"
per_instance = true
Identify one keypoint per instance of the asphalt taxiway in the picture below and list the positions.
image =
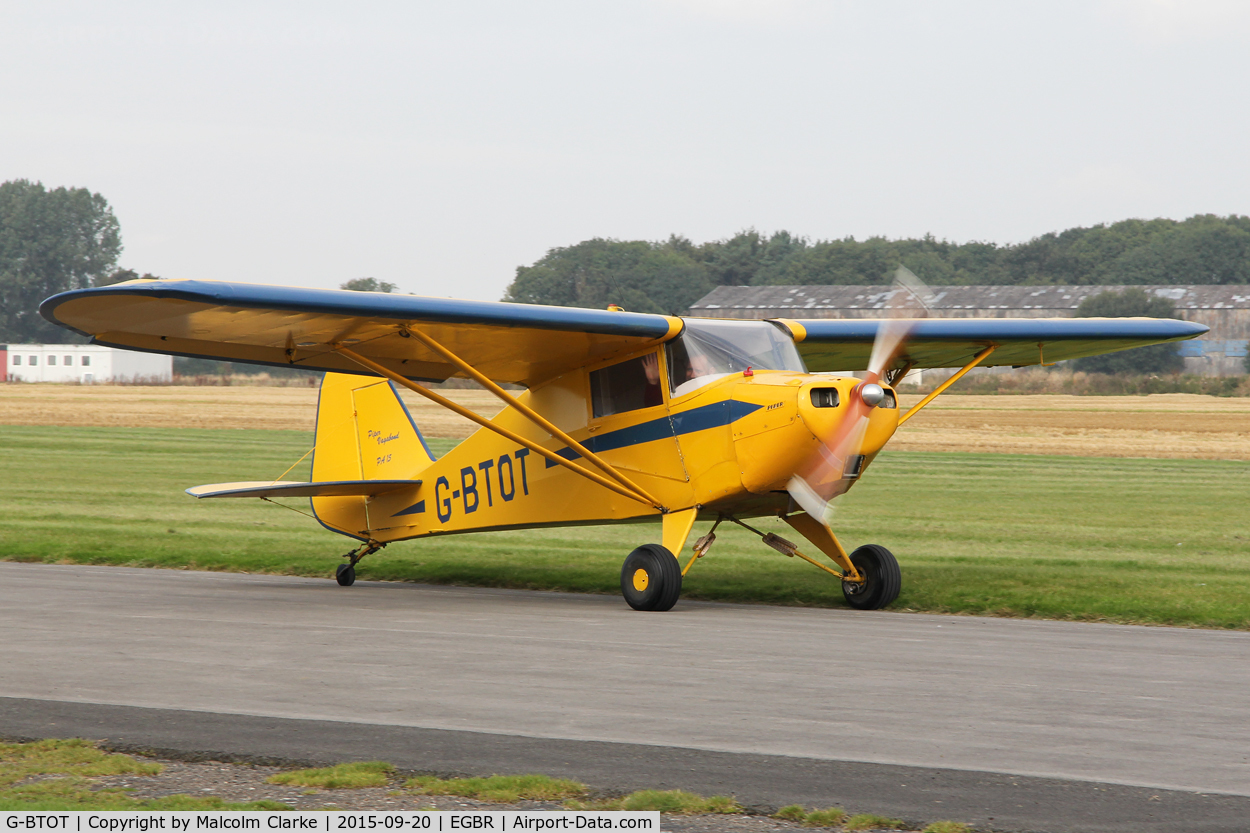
(1027, 725)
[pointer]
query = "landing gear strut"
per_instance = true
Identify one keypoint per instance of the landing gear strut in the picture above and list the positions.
(870, 576)
(345, 575)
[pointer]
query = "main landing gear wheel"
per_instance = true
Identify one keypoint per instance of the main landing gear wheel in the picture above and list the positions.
(345, 575)
(882, 578)
(651, 578)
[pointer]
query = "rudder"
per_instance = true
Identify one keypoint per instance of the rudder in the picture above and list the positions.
(364, 432)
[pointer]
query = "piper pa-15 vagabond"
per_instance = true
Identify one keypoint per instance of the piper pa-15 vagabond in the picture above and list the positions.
(625, 416)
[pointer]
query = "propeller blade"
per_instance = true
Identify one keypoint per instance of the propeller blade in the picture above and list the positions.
(912, 303)
(890, 338)
(825, 477)
(836, 464)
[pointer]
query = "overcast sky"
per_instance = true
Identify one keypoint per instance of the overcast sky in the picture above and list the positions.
(439, 145)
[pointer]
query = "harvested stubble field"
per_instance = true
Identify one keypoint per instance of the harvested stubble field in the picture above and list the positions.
(1163, 425)
(1157, 426)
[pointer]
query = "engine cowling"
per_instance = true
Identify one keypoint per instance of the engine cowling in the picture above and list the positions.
(798, 416)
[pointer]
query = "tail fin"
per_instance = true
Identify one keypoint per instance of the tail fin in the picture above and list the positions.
(364, 432)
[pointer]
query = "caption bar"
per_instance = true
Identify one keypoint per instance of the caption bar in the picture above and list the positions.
(328, 821)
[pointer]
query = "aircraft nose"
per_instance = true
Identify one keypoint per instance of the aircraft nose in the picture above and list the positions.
(865, 409)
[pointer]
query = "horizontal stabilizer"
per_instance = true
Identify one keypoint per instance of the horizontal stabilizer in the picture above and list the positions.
(287, 488)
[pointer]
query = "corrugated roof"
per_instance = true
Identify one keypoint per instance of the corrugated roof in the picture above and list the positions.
(1058, 298)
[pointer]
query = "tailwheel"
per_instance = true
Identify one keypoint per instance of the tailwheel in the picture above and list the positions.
(651, 578)
(345, 575)
(882, 578)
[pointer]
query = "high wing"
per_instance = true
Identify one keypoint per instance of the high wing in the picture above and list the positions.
(523, 344)
(846, 343)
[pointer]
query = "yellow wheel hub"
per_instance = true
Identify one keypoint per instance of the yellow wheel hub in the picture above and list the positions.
(641, 580)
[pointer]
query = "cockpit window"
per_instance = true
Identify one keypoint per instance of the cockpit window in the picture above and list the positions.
(709, 350)
(626, 386)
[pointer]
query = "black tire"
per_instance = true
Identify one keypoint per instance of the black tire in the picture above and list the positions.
(651, 578)
(883, 578)
(346, 575)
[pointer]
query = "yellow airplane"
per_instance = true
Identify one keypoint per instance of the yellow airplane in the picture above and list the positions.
(624, 417)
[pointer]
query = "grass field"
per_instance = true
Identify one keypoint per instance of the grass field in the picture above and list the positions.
(1117, 539)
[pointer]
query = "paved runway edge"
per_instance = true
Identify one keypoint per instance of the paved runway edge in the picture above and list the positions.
(763, 782)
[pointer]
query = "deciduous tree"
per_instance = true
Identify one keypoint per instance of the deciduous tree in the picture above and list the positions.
(120, 275)
(50, 242)
(368, 285)
(639, 276)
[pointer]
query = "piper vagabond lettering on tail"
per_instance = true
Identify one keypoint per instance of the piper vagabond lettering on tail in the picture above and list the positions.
(624, 416)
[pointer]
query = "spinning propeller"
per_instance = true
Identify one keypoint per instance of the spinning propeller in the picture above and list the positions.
(840, 458)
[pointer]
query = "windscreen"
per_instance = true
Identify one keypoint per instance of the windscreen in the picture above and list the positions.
(708, 350)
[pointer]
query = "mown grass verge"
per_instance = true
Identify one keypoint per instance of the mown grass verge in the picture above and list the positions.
(839, 818)
(340, 777)
(508, 789)
(672, 802)
(502, 789)
(59, 775)
(1122, 540)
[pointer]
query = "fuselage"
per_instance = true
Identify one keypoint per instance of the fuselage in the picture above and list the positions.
(726, 442)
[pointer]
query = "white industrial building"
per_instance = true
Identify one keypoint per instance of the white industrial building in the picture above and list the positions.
(83, 363)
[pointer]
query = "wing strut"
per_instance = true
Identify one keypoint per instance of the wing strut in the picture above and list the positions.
(504, 432)
(534, 417)
(982, 356)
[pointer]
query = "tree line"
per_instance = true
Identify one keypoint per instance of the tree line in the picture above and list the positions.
(54, 240)
(669, 275)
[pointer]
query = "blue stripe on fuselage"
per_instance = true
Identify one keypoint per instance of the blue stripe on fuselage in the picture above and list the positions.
(687, 422)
